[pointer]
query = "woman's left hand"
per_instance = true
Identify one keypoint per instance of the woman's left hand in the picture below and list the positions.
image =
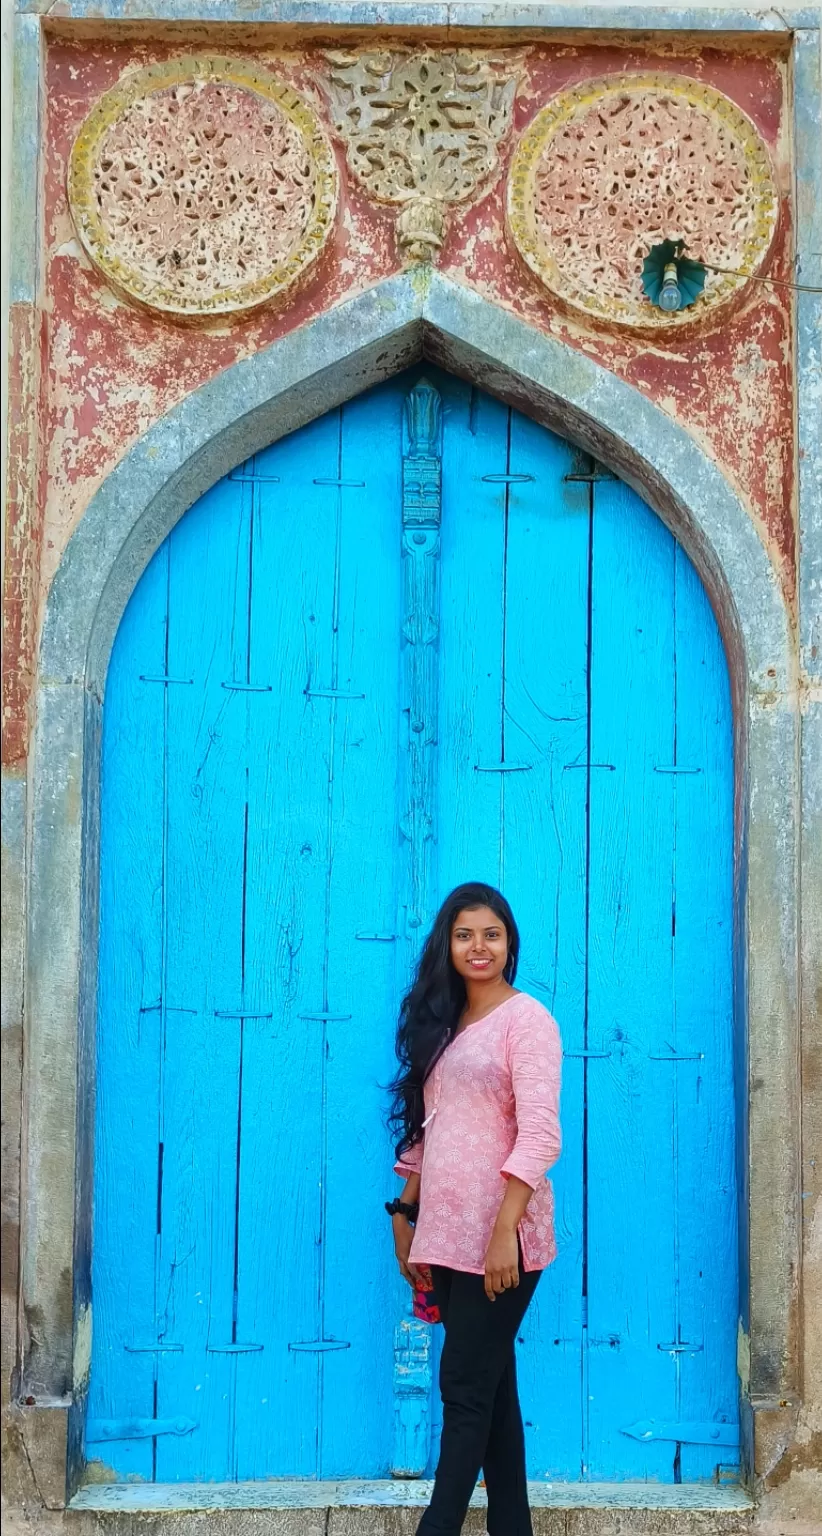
(501, 1263)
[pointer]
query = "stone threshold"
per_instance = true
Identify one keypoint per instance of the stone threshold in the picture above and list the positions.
(159, 1498)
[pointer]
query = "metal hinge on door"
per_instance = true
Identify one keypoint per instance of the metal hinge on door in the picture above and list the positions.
(708, 1432)
(136, 1429)
(607, 1340)
(587, 469)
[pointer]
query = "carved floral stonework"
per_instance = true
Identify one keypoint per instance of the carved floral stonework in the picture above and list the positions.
(619, 164)
(422, 131)
(202, 186)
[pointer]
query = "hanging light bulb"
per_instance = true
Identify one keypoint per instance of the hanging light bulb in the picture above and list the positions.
(670, 294)
(669, 278)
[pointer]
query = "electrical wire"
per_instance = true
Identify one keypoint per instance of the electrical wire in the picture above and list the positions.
(775, 282)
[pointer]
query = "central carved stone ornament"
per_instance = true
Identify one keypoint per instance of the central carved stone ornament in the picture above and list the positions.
(202, 186)
(422, 131)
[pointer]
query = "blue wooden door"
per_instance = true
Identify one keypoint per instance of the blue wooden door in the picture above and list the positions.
(409, 645)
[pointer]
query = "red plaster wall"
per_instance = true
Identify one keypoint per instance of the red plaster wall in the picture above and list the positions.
(110, 371)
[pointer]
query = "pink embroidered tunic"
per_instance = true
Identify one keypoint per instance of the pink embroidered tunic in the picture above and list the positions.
(492, 1111)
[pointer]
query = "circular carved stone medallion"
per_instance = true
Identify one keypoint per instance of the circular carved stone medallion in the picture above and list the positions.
(619, 164)
(202, 186)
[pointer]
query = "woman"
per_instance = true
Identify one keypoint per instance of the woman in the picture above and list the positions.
(477, 1108)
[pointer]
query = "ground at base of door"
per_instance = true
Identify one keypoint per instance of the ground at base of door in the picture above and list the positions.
(599, 1510)
(392, 1509)
(147, 1498)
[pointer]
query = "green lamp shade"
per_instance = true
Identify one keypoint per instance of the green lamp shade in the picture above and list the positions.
(690, 275)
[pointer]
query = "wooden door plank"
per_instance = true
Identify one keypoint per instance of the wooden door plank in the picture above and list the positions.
(280, 1212)
(545, 710)
(208, 603)
(630, 1183)
(364, 1295)
(128, 1030)
(467, 809)
(469, 793)
(703, 958)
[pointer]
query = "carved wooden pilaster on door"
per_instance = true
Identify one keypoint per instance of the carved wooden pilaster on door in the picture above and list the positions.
(421, 506)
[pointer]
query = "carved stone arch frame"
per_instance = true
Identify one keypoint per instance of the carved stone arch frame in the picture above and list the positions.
(312, 370)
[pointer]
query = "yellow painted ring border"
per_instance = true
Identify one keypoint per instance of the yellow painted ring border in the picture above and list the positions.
(98, 243)
(541, 131)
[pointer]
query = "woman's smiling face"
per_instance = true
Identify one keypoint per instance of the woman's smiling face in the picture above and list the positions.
(479, 945)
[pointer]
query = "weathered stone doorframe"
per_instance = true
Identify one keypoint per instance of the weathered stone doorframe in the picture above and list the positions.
(326, 362)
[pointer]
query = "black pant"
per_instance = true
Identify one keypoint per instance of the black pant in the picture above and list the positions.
(482, 1423)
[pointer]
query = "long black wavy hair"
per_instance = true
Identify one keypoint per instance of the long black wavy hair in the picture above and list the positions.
(431, 1010)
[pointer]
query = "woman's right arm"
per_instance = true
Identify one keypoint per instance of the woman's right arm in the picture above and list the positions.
(411, 1193)
(403, 1230)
